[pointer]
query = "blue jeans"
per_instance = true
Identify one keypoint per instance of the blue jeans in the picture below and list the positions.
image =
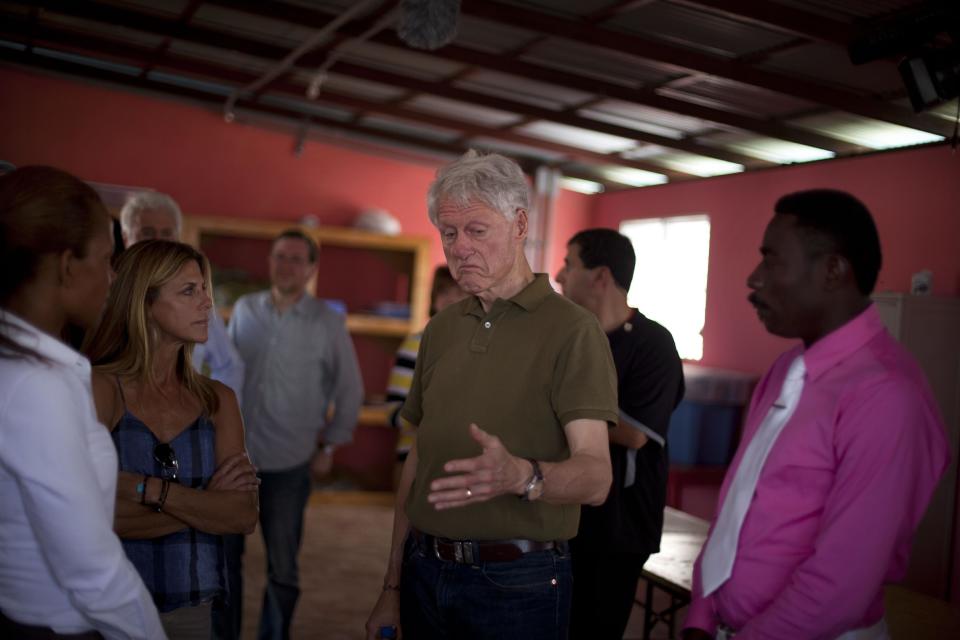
(526, 599)
(283, 499)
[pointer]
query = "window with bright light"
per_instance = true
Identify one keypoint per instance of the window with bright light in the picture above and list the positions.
(670, 280)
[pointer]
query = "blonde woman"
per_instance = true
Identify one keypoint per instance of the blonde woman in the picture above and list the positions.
(185, 478)
(63, 573)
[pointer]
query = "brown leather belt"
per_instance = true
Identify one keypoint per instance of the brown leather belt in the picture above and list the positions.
(477, 551)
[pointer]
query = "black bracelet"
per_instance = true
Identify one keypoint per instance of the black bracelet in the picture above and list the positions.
(163, 496)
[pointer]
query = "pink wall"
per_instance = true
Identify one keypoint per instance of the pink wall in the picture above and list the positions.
(914, 196)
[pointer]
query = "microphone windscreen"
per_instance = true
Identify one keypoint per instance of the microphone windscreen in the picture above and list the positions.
(428, 24)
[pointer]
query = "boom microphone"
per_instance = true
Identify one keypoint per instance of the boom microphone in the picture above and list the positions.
(428, 24)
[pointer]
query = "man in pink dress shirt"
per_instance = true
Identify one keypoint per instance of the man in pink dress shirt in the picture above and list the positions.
(838, 498)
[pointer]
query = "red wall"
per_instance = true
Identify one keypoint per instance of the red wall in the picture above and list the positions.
(571, 213)
(914, 196)
(214, 168)
(209, 166)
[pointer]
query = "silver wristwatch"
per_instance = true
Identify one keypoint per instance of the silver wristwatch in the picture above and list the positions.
(534, 488)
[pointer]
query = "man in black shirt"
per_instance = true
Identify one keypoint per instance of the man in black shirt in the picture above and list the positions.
(615, 539)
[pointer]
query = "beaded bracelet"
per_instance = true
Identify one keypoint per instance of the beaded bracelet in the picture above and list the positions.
(142, 489)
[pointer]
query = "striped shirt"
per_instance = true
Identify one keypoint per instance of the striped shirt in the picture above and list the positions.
(398, 387)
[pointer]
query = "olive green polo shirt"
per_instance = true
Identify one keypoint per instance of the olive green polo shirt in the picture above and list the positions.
(521, 372)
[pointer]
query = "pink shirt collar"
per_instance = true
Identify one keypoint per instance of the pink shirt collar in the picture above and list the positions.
(842, 342)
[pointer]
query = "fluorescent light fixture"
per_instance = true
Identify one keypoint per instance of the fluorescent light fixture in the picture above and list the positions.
(773, 149)
(698, 165)
(633, 177)
(576, 137)
(580, 185)
(866, 132)
(639, 125)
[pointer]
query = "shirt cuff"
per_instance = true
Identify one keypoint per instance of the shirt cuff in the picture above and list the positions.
(701, 615)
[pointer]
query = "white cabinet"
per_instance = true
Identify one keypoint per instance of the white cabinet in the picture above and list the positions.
(929, 328)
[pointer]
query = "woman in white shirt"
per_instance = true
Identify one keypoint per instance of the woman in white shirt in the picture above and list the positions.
(63, 573)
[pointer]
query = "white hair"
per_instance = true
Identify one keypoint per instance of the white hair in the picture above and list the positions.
(149, 201)
(491, 178)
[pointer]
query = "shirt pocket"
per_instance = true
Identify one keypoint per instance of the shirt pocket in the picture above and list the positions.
(801, 466)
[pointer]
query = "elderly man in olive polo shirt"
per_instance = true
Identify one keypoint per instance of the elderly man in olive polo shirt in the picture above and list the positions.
(512, 395)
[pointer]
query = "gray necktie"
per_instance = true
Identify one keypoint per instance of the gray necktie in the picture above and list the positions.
(721, 549)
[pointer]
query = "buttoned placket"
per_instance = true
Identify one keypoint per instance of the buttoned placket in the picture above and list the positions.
(487, 325)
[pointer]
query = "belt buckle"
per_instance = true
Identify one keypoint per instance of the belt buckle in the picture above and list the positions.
(463, 552)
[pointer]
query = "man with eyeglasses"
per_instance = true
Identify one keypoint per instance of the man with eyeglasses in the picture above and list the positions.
(301, 399)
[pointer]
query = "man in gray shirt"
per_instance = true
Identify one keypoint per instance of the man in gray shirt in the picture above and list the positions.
(301, 398)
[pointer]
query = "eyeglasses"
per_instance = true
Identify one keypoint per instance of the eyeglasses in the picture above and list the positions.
(167, 457)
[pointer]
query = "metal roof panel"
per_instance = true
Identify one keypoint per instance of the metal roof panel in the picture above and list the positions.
(347, 85)
(463, 111)
(251, 64)
(550, 96)
(277, 32)
(514, 148)
(735, 96)
(159, 7)
(848, 10)
(831, 64)
(400, 60)
(112, 31)
(570, 8)
(597, 62)
(398, 125)
(494, 37)
(697, 29)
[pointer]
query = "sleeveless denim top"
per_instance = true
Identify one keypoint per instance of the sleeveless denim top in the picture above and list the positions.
(184, 568)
